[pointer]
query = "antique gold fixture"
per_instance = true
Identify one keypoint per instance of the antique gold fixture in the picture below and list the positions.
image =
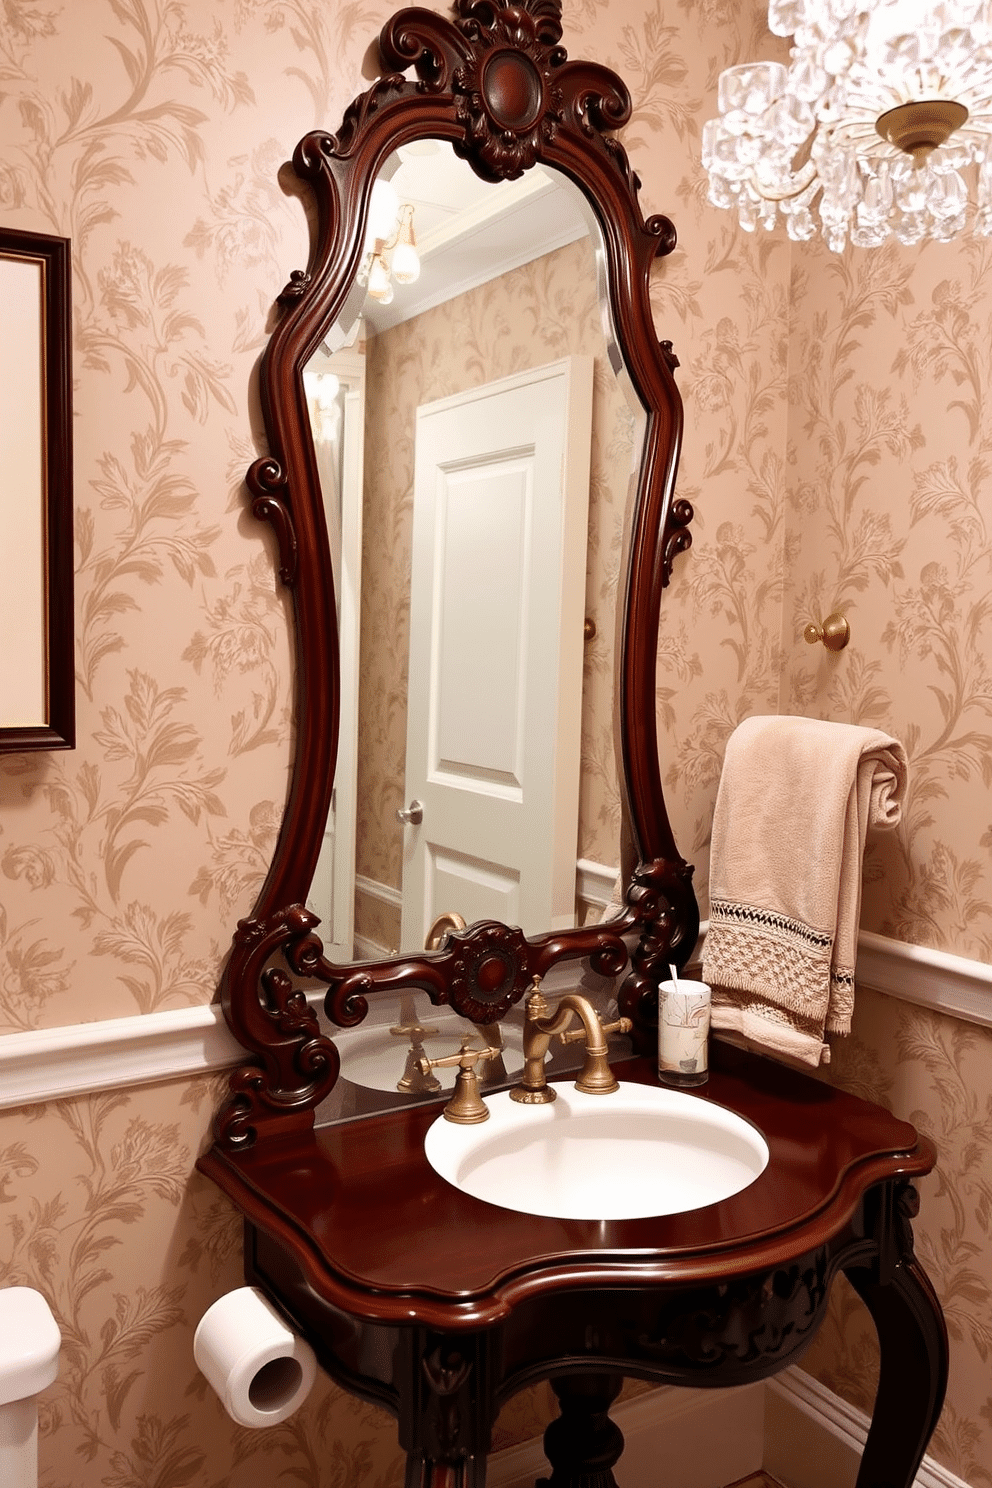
(835, 632)
(466, 1107)
(413, 1081)
(390, 244)
(920, 127)
(542, 1024)
(442, 927)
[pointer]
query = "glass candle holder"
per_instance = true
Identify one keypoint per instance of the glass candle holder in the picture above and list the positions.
(683, 1033)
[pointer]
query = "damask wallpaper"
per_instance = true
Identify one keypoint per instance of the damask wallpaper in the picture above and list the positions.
(836, 449)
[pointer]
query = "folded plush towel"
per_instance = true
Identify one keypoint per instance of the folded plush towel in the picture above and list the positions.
(796, 798)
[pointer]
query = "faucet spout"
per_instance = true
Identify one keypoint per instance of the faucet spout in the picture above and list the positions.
(543, 1023)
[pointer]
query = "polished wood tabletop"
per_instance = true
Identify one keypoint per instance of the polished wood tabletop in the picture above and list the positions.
(381, 1230)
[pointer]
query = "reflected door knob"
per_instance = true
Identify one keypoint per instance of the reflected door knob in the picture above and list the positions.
(413, 814)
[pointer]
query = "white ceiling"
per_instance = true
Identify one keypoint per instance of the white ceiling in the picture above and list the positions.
(469, 231)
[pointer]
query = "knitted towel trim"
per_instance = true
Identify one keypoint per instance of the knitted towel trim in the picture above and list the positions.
(781, 960)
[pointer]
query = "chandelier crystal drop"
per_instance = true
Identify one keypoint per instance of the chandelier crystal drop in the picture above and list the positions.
(880, 125)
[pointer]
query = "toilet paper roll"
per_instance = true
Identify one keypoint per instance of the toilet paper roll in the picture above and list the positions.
(259, 1367)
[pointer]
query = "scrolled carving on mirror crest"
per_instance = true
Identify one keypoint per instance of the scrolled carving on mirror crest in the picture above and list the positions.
(356, 117)
(663, 228)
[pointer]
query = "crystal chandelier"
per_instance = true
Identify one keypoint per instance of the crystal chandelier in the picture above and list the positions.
(881, 123)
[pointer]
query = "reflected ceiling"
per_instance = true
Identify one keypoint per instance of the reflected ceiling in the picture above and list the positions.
(470, 231)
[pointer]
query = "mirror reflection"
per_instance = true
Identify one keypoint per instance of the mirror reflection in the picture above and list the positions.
(475, 452)
(383, 1059)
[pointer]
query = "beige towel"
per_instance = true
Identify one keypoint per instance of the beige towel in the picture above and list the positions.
(796, 798)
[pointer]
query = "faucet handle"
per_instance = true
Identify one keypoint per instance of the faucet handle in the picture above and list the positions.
(622, 1025)
(576, 1035)
(466, 1106)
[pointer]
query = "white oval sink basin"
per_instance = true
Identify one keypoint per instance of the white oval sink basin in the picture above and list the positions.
(644, 1150)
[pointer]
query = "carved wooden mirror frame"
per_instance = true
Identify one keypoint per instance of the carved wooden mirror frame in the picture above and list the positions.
(497, 85)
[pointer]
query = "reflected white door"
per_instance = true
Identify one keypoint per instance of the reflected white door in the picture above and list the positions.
(501, 493)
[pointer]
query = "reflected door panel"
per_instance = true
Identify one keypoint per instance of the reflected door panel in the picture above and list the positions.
(497, 293)
(499, 548)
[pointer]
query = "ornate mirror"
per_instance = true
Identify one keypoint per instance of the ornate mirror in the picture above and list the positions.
(493, 93)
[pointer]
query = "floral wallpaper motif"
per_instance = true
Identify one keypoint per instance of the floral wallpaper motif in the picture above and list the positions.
(889, 520)
(892, 520)
(130, 1246)
(936, 1072)
(536, 314)
(835, 450)
(110, 113)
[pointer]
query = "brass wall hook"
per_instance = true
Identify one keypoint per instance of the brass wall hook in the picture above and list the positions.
(835, 632)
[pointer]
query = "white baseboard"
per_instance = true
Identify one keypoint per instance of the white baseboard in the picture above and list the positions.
(702, 1436)
(380, 892)
(813, 1439)
(595, 883)
(933, 979)
(795, 1428)
(369, 950)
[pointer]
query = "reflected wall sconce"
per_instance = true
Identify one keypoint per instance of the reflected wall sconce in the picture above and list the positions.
(835, 632)
(390, 243)
(881, 123)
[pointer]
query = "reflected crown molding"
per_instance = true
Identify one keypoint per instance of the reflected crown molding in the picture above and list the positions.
(470, 242)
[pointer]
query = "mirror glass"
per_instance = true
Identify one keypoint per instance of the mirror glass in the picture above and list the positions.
(381, 1059)
(476, 453)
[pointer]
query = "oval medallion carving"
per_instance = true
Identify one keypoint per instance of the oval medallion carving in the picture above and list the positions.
(489, 971)
(512, 89)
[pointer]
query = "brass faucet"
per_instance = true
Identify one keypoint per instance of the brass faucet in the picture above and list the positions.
(466, 1106)
(542, 1024)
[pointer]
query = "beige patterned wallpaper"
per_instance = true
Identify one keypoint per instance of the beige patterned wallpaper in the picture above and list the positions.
(835, 449)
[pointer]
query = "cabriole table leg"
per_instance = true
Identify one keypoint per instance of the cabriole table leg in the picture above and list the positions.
(912, 1340)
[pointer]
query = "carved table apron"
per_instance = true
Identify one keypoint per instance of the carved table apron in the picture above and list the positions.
(440, 1307)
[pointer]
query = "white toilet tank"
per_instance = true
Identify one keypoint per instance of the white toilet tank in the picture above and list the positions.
(29, 1360)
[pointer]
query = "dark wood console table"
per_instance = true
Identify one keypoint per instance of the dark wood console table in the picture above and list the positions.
(440, 1307)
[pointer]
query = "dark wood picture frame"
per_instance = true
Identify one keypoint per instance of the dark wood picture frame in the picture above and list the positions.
(42, 556)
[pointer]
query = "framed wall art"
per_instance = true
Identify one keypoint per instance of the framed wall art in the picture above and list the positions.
(37, 677)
